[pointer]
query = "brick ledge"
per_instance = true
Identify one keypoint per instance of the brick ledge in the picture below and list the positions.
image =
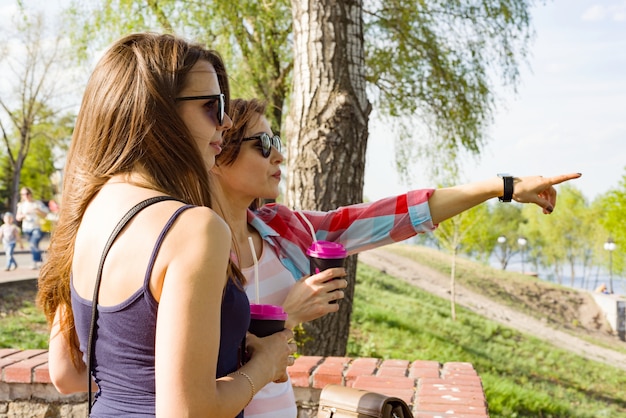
(431, 389)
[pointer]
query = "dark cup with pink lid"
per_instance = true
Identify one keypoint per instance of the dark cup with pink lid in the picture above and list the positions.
(324, 255)
(266, 319)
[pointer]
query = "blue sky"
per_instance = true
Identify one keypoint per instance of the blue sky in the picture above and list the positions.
(569, 114)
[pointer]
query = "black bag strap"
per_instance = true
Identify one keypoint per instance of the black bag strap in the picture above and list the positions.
(94, 307)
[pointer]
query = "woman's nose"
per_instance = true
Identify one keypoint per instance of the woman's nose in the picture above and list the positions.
(227, 123)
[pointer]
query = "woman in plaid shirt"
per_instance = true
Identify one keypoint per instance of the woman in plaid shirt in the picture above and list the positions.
(248, 168)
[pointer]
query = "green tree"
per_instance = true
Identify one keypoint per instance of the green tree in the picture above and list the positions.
(613, 206)
(560, 240)
(451, 235)
(497, 234)
(575, 232)
(31, 106)
(252, 36)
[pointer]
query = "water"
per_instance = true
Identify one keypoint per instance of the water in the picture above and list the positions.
(595, 277)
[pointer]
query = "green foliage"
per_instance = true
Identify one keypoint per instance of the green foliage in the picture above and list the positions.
(560, 240)
(437, 62)
(505, 221)
(466, 232)
(522, 376)
(433, 61)
(612, 216)
(33, 126)
(37, 169)
(253, 37)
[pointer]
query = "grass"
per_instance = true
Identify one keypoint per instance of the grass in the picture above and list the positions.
(537, 298)
(522, 376)
(25, 328)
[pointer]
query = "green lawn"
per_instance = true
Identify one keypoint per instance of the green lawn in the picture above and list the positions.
(24, 329)
(522, 376)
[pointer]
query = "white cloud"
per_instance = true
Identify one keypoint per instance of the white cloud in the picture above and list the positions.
(615, 12)
(594, 13)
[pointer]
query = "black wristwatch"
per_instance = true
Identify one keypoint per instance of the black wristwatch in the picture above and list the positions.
(507, 196)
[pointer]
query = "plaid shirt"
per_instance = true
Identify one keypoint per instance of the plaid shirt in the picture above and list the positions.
(357, 227)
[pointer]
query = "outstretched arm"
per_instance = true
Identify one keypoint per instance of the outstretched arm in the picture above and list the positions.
(450, 201)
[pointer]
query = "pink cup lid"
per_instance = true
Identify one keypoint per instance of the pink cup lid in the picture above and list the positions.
(271, 312)
(326, 249)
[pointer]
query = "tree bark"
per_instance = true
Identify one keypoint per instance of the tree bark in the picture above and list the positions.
(326, 130)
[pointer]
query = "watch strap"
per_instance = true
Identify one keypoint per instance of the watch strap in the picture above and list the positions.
(507, 195)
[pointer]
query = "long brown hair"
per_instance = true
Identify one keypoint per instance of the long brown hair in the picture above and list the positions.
(128, 121)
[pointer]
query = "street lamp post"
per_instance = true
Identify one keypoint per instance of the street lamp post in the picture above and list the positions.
(522, 243)
(609, 245)
(503, 260)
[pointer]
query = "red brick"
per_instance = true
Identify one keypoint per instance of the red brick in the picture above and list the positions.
(360, 367)
(330, 372)
(300, 371)
(365, 362)
(424, 368)
(453, 409)
(323, 376)
(458, 365)
(7, 351)
(416, 373)
(392, 371)
(429, 414)
(336, 361)
(41, 374)
(18, 356)
(395, 363)
(389, 381)
(374, 384)
(451, 399)
(309, 360)
(22, 371)
(425, 363)
(401, 387)
(352, 373)
(473, 382)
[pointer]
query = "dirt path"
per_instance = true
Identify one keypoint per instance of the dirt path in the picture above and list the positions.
(439, 284)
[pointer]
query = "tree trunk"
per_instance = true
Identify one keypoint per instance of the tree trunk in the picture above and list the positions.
(453, 285)
(326, 131)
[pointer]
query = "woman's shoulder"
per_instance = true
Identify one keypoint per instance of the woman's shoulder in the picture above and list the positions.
(201, 219)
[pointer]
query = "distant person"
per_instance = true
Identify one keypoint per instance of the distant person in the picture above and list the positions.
(602, 289)
(170, 309)
(30, 213)
(11, 236)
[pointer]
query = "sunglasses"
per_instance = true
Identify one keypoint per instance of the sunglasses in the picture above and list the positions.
(267, 142)
(213, 97)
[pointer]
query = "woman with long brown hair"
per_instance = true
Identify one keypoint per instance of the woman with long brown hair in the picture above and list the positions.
(137, 239)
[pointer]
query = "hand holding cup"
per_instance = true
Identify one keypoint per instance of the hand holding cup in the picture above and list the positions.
(324, 255)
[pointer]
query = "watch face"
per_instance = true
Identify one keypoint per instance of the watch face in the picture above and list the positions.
(504, 175)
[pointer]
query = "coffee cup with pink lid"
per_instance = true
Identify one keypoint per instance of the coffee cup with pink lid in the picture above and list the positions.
(324, 255)
(266, 319)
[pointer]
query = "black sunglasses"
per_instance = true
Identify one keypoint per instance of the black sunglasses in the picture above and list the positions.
(220, 104)
(267, 142)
